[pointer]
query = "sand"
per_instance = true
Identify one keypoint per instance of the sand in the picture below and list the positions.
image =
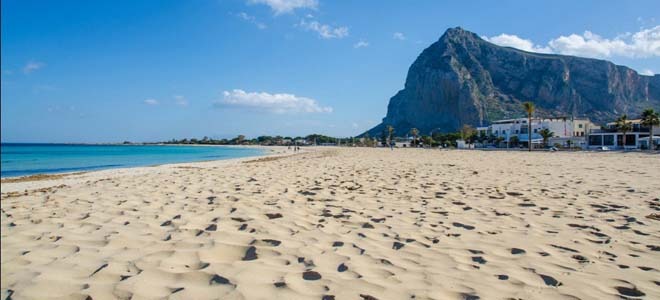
(343, 223)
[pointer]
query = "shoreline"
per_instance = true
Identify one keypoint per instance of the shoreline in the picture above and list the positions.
(43, 176)
(39, 181)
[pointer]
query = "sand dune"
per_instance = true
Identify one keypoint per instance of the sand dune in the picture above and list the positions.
(342, 224)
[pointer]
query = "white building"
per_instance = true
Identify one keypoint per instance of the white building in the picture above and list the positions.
(610, 137)
(566, 131)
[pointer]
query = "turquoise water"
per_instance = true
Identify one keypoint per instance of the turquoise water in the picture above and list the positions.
(28, 159)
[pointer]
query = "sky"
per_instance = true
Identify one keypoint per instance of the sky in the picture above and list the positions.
(153, 70)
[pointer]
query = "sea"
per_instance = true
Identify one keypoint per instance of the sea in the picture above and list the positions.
(29, 159)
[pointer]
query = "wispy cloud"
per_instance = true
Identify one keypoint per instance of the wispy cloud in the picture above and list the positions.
(180, 100)
(251, 19)
(642, 44)
(286, 6)
(324, 31)
(267, 102)
(69, 111)
(398, 36)
(32, 66)
(648, 72)
(43, 88)
(151, 101)
(361, 44)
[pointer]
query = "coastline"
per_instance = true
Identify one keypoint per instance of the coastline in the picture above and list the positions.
(40, 181)
(45, 175)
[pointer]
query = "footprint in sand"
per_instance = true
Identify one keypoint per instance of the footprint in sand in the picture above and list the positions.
(311, 275)
(250, 254)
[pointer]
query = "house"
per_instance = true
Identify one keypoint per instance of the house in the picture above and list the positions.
(609, 136)
(566, 131)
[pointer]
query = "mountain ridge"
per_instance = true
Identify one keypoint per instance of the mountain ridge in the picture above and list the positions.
(463, 79)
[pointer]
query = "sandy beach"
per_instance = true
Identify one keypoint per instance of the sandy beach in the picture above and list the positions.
(342, 223)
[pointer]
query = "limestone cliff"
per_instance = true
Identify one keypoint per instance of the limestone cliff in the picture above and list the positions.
(463, 79)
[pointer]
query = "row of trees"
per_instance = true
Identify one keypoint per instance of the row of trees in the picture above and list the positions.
(649, 118)
(238, 140)
(265, 140)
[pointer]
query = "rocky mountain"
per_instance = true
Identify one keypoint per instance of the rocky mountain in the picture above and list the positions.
(463, 79)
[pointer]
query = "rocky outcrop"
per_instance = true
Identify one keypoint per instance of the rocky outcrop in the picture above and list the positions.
(463, 79)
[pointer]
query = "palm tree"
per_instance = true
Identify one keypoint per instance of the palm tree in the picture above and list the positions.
(650, 118)
(546, 134)
(529, 109)
(624, 126)
(390, 131)
(467, 132)
(414, 132)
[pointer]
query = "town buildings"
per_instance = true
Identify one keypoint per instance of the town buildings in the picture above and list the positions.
(609, 137)
(567, 132)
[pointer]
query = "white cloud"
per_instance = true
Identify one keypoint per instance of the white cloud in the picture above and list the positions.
(642, 44)
(181, 100)
(324, 31)
(151, 101)
(361, 44)
(399, 36)
(286, 6)
(251, 19)
(648, 72)
(275, 103)
(32, 66)
(514, 41)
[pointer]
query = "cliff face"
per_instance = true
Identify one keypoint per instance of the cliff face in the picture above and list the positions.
(462, 79)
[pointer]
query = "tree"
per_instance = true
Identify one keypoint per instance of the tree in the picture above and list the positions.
(414, 132)
(499, 141)
(383, 137)
(650, 118)
(514, 141)
(239, 139)
(428, 140)
(624, 126)
(367, 140)
(546, 134)
(390, 132)
(467, 132)
(529, 109)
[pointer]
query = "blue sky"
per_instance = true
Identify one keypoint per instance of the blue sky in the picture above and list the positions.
(108, 71)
